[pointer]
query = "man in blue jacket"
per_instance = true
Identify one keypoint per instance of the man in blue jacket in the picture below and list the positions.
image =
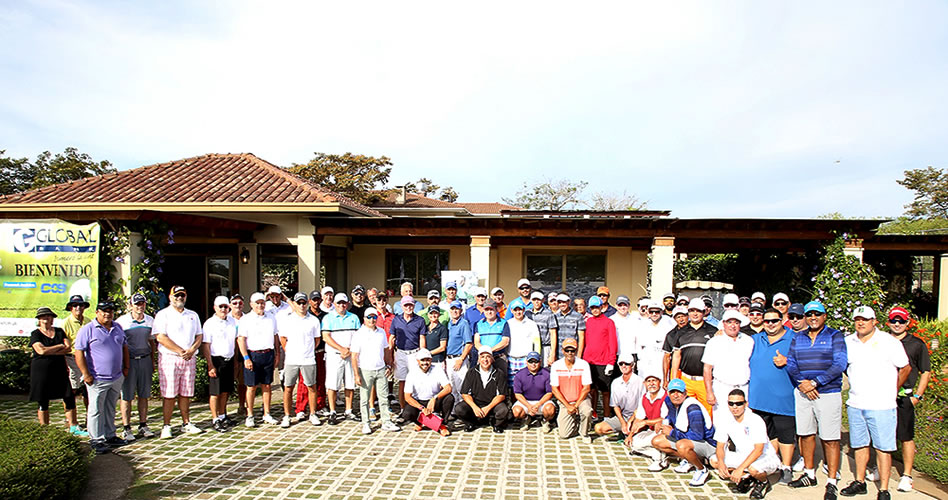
(686, 433)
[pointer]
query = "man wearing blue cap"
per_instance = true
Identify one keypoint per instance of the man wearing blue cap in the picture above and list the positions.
(141, 352)
(534, 395)
(815, 363)
(687, 433)
(450, 295)
(796, 318)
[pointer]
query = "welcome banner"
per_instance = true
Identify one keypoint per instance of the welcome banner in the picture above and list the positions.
(43, 263)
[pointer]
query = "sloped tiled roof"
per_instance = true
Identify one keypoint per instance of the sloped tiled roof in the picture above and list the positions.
(239, 178)
(413, 201)
(487, 208)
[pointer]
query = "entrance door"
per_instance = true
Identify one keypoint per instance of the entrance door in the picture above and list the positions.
(204, 277)
(219, 279)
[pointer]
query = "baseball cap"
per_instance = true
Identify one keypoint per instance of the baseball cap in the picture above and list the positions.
(732, 314)
(137, 297)
(626, 358)
(708, 301)
(358, 288)
(781, 296)
(423, 354)
(434, 309)
(731, 298)
(654, 304)
(622, 299)
(178, 289)
(220, 300)
(370, 311)
(898, 312)
(340, 297)
(668, 295)
(299, 296)
(681, 298)
(744, 301)
(451, 284)
(257, 297)
(483, 348)
(562, 297)
(595, 301)
(523, 281)
(570, 343)
(796, 308)
(652, 374)
(676, 384)
(696, 304)
(496, 290)
(536, 295)
(814, 305)
(105, 305)
(490, 304)
(434, 293)
(679, 310)
(326, 289)
(602, 289)
(236, 296)
(517, 305)
(533, 355)
(643, 303)
(408, 299)
(759, 295)
(274, 289)
(315, 295)
(758, 307)
(480, 291)
(457, 305)
(864, 312)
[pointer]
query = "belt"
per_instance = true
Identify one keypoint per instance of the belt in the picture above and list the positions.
(454, 357)
(735, 386)
(409, 351)
(696, 378)
(261, 351)
(141, 357)
(546, 345)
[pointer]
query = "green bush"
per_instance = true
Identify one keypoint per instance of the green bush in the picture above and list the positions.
(14, 371)
(931, 439)
(200, 381)
(844, 284)
(40, 461)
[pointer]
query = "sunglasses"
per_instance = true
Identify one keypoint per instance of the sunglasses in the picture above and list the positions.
(180, 295)
(533, 361)
(622, 363)
(224, 306)
(302, 302)
(813, 313)
(794, 316)
(898, 321)
(756, 313)
(736, 403)
(524, 288)
(781, 303)
(569, 350)
(772, 321)
(371, 316)
(730, 306)
(603, 294)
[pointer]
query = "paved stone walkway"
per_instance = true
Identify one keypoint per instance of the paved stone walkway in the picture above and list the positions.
(338, 462)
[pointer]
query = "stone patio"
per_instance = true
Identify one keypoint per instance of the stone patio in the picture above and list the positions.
(338, 462)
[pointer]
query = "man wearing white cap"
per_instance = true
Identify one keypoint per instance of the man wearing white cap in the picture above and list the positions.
(257, 338)
(327, 294)
(408, 332)
(483, 393)
(545, 318)
(371, 365)
(299, 336)
(688, 351)
(498, 295)
(782, 304)
(524, 289)
(650, 337)
(178, 332)
(878, 366)
(427, 391)
(759, 298)
(648, 417)
(220, 335)
(475, 313)
(643, 308)
(668, 302)
(626, 328)
(727, 362)
(625, 395)
(337, 329)
(570, 325)
(434, 298)
(275, 302)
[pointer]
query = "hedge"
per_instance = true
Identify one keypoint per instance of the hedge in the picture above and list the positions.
(40, 461)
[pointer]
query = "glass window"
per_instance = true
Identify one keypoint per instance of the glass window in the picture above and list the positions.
(545, 272)
(422, 268)
(576, 274)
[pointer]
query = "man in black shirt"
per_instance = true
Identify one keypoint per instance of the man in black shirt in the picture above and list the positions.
(689, 349)
(680, 315)
(909, 393)
(756, 325)
(357, 304)
(483, 393)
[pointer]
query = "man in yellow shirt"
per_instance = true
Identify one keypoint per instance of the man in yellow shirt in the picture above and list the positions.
(71, 325)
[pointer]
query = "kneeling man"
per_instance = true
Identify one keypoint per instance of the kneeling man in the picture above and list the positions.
(534, 395)
(483, 392)
(626, 394)
(753, 457)
(427, 390)
(687, 433)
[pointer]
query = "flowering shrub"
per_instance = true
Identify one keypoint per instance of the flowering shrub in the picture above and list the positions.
(844, 284)
(931, 424)
(147, 270)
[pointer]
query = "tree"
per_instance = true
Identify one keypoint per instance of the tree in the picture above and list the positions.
(19, 174)
(352, 175)
(844, 283)
(448, 194)
(548, 195)
(426, 187)
(931, 192)
(608, 202)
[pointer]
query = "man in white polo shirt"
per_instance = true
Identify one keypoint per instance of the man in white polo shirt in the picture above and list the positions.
(257, 338)
(626, 327)
(753, 457)
(650, 337)
(299, 336)
(372, 364)
(427, 391)
(178, 332)
(726, 361)
(220, 334)
(878, 366)
(625, 397)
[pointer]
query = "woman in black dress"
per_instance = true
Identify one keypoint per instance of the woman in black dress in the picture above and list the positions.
(49, 377)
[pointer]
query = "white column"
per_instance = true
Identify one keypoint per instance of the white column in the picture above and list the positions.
(306, 255)
(249, 279)
(663, 266)
(480, 258)
(125, 268)
(853, 247)
(943, 287)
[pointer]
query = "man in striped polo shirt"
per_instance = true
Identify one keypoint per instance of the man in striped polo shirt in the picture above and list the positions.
(337, 329)
(141, 352)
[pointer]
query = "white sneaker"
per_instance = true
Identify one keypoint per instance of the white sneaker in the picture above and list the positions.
(656, 466)
(366, 429)
(299, 418)
(905, 484)
(267, 419)
(145, 431)
(166, 432)
(190, 428)
(285, 423)
(699, 477)
(872, 474)
(313, 419)
(684, 467)
(248, 422)
(390, 427)
(799, 465)
(587, 439)
(826, 472)
(545, 428)
(128, 435)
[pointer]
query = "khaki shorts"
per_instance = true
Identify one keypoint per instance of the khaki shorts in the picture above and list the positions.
(75, 376)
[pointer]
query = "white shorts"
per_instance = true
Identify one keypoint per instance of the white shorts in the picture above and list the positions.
(765, 463)
(404, 361)
(338, 372)
(527, 410)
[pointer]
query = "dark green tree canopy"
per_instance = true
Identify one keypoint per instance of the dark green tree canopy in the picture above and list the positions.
(20, 174)
(931, 192)
(356, 176)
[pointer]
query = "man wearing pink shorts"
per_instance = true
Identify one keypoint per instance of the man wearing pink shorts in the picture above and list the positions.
(179, 335)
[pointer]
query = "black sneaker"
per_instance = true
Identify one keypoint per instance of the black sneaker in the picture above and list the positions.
(469, 427)
(100, 448)
(498, 429)
(884, 495)
(761, 488)
(220, 425)
(854, 488)
(115, 442)
(228, 422)
(334, 418)
(802, 482)
(743, 486)
(830, 493)
(351, 415)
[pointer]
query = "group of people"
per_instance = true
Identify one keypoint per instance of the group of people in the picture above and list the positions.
(735, 395)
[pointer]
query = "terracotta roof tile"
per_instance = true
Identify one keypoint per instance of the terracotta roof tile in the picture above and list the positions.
(487, 208)
(414, 201)
(211, 178)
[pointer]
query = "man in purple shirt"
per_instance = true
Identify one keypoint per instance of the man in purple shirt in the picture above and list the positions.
(534, 395)
(102, 356)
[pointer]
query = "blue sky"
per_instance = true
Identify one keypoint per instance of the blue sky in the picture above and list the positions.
(708, 109)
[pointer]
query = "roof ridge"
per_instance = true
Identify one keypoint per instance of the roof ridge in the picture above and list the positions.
(313, 187)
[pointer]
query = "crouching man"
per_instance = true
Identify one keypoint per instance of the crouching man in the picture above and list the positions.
(687, 433)
(483, 393)
(753, 457)
(647, 420)
(531, 388)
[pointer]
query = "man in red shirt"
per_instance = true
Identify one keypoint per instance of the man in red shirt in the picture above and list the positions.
(600, 352)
